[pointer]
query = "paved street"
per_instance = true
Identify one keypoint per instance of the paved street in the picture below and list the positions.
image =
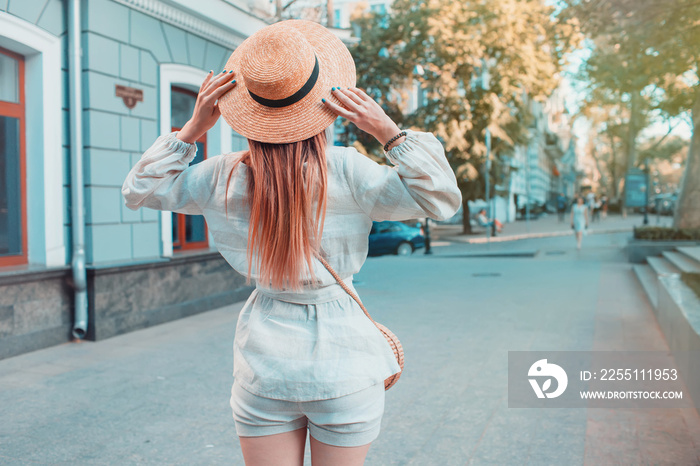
(160, 395)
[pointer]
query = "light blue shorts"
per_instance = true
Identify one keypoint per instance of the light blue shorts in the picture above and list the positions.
(347, 421)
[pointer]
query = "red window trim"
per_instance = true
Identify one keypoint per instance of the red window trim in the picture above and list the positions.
(17, 110)
(181, 244)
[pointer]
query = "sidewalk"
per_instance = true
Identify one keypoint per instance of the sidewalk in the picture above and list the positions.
(159, 396)
(545, 227)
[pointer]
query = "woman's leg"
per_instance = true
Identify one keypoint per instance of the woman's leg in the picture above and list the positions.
(323, 454)
(286, 449)
(579, 235)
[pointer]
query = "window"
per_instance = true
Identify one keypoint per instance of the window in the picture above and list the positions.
(13, 218)
(189, 231)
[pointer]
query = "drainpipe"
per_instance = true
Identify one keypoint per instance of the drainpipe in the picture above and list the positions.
(76, 184)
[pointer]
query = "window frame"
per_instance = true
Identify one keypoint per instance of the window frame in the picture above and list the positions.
(181, 244)
(18, 110)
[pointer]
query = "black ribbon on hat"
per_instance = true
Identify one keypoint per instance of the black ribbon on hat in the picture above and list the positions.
(294, 98)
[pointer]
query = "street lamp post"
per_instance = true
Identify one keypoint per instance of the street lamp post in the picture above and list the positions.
(485, 85)
(646, 197)
(428, 249)
(489, 231)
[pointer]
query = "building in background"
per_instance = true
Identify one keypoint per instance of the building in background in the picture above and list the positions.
(142, 63)
(548, 165)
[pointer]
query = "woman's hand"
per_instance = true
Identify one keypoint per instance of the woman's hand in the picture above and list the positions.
(206, 109)
(365, 113)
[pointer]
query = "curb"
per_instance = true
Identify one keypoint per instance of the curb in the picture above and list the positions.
(551, 234)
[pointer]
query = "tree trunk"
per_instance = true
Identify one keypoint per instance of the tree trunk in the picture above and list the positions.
(632, 133)
(687, 213)
(603, 175)
(613, 166)
(331, 13)
(466, 217)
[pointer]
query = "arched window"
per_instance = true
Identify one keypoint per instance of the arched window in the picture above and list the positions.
(189, 231)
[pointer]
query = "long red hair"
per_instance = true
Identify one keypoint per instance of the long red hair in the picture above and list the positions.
(284, 182)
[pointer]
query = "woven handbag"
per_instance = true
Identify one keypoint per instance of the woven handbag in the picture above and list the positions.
(392, 339)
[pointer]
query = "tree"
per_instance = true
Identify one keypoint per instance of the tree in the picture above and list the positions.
(616, 110)
(447, 48)
(321, 12)
(660, 44)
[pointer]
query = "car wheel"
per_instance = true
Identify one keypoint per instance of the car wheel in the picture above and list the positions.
(404, 249)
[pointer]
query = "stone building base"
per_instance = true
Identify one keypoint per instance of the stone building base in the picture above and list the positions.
(36, 308)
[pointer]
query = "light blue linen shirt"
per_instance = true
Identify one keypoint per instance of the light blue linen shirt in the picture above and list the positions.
(315, 344)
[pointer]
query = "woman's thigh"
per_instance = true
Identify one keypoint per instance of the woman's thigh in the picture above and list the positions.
(323, 454)
(286, 449)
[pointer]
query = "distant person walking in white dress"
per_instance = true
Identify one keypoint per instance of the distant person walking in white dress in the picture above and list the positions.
(579, 220)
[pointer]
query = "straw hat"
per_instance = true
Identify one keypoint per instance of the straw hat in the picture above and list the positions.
(282, 73)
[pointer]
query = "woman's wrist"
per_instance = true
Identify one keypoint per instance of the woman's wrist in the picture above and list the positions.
(186, 134)
(387, 136)
(387, 131)
(395, 141)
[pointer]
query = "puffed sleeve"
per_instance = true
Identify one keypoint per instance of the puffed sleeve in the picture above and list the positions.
(420, 183)
(163, 178)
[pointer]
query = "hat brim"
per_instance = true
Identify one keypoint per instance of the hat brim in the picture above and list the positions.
(302, 119)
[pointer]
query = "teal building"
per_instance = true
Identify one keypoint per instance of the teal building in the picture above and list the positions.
(85, 87)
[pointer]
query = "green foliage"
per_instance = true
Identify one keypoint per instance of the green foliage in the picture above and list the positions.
(519, 43)
(666, 233)
(640, 43)
(672, 148)
(643, 66)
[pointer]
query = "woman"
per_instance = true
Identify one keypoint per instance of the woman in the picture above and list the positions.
(305, 355)
(579, 220)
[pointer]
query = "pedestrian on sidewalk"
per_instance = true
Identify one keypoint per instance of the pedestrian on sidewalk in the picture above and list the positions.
(305, 356)
(590, 201)
(561, 206)
(595, 210)
(604, 206)
(579, 220)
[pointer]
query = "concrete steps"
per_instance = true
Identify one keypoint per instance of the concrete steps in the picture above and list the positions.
(691, 251)
(676, 308)
(648, 278)
(668, 264)
(662, 266)
(685, 263)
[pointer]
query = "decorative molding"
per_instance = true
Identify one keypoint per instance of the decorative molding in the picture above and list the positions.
(189, 77)
(181, 19)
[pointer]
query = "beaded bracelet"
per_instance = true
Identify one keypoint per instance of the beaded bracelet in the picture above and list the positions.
(398, 136)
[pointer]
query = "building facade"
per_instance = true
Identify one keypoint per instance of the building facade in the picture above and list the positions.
(548, 164)
(141, 64)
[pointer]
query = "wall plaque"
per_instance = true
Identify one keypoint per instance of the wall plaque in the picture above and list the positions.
(129, 95)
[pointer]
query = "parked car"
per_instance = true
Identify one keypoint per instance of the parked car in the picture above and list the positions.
(664, 203)
(394, 238)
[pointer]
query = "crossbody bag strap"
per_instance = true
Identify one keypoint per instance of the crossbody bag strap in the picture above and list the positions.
(342, 283)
